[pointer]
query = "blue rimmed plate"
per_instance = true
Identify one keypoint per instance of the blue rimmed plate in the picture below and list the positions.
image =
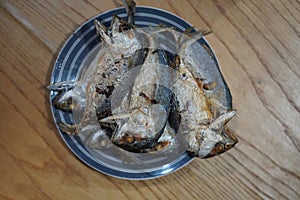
(68, 66)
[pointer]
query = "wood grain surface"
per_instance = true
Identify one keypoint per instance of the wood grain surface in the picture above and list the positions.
(257, 43)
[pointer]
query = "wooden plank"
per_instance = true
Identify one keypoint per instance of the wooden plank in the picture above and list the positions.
(257, 44)
(27, 131)
(51, 21)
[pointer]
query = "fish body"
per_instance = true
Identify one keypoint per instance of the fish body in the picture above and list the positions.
(90, 96)
(142, 117)
(203, 106)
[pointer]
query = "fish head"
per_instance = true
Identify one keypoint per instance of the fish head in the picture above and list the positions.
(121, 38)
(141, 124)
(212, 139)
(226, 142)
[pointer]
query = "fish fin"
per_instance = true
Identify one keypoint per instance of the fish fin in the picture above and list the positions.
(70, 129)
(62, 86)
(101, 31)
(115, 24)
(114, 118)
(130, 7)
(190, 38)
(222, 120)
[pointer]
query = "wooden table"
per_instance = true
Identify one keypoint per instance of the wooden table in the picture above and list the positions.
(257, 43)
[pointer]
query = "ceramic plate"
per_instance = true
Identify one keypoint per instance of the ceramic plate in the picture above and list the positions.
(68, 65)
